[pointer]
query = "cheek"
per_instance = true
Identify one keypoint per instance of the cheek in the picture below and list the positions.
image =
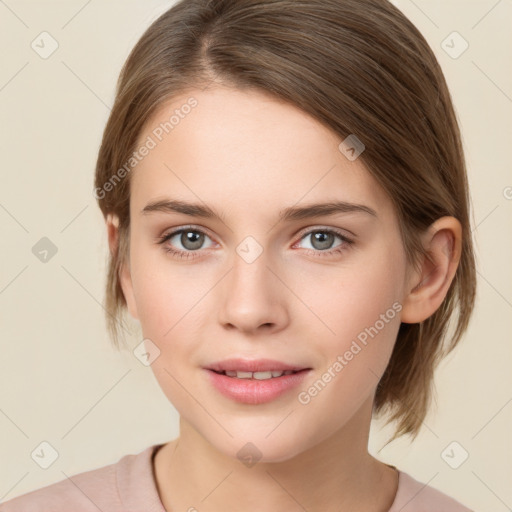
(158, 304)
(359, 306)
(163, 293)
(171, 315)
(363, 314)
(353, 296)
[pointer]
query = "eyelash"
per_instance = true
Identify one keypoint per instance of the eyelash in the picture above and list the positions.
(347, 242)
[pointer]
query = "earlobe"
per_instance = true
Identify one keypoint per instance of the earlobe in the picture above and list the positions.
(112, 222)
(430, 284)
(124, 273)
(127, 287)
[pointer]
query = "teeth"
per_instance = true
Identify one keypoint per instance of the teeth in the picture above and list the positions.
(257, 375)
(262, 375)
(243, 375)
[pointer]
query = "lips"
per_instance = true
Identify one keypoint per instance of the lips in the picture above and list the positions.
(255, 381)
(258, 387)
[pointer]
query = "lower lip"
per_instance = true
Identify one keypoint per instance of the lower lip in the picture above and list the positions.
(253, 391)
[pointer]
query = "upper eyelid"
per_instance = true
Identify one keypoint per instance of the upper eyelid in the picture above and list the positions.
(337, 231)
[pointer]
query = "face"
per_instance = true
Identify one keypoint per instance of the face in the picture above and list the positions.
(320, 292)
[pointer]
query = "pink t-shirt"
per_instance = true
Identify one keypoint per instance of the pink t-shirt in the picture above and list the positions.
(129, 485)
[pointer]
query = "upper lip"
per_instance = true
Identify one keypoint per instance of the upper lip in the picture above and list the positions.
(252, 365)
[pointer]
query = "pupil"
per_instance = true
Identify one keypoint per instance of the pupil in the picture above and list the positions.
(192, 239)
(324, 240)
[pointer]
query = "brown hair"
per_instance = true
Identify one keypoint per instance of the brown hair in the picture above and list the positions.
(358, 66)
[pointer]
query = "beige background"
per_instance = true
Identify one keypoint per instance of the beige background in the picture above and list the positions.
(61, 382)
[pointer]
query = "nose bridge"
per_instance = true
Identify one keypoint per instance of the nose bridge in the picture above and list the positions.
(251, 295)
(250, 269)
(250, 275)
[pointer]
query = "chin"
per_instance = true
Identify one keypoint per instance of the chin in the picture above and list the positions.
(254, 447)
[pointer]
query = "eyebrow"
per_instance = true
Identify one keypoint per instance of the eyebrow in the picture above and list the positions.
(287, 214)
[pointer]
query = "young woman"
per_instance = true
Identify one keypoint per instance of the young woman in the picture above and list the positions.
(287, 211)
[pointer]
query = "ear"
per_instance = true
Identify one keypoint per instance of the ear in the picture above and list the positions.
(429, 285)
(124, 275)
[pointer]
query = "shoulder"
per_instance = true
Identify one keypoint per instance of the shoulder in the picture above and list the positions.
(415, 496)
(110, 488)
(84, 492)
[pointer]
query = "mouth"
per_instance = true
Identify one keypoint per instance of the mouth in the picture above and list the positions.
(256, 387)
(272, 374)
(257, 369)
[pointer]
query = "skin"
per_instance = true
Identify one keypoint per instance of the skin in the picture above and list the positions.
(248, 156)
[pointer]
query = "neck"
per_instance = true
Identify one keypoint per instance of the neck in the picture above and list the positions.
(338, 474)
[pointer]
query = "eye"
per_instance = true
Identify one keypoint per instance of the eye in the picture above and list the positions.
(191, 239)
(322, 240)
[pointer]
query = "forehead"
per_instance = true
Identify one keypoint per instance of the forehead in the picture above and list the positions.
(248, 148)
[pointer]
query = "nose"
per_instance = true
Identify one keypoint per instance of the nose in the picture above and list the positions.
(253, 297)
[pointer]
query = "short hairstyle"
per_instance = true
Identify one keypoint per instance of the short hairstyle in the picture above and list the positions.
(357, 66)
